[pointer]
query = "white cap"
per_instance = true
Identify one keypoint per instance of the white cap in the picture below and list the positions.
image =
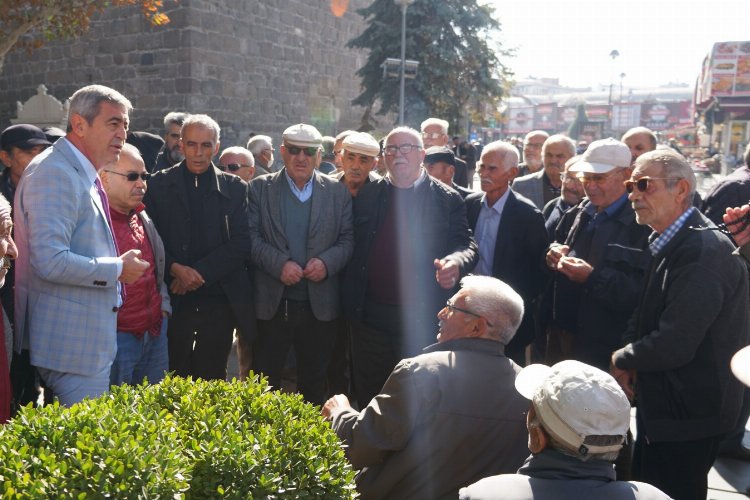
(741, 365)
(574, 400)
(361, 143)
(602, 156)
(302, 135)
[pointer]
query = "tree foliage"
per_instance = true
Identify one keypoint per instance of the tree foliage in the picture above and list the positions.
(29, 23)
(459, 58)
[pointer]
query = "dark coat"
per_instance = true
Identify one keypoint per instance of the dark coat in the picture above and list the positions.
(167, 203)
(519, 256)
(437, 230)
(691, 318)
(620, 256)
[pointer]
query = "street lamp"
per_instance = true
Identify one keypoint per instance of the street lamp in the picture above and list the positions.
(403, 4)
(614, 54)
(622, 75)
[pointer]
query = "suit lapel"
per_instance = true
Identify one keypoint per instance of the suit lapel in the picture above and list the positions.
(505, 229)
(317, 204)
(65, 149)
(274, 205)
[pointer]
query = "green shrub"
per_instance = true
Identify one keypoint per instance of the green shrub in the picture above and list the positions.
(178, 439)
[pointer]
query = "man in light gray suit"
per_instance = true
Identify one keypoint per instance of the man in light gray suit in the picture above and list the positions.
(67, 291)
(543, 186)
(301, 232)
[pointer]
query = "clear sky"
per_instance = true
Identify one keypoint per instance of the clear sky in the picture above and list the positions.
(659, 41)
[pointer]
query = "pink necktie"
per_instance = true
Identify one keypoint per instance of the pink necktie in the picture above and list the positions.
(105, 206)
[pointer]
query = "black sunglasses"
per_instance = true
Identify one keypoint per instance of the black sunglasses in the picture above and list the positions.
(642, 184)
(295, 150)
(132, 176)
(232, 167)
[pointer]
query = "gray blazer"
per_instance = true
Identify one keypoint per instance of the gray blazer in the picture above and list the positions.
(67, 267)
(158, 247)
(531, 186)
(330, 238)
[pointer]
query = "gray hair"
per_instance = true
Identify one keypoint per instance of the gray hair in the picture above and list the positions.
(203, 121)
(239, 150)
(257, 143)
(327, 143)
(86, 102)
(559, 139)
(174, 118)
(535, 133)
(405, 130)
(746, 156)
(672, 165)
(4, 205)
(497, 302)
(133, 151)
(443, 124)
(509, 153)
(641, 130)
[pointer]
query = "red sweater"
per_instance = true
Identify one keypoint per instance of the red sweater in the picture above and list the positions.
(141, 311)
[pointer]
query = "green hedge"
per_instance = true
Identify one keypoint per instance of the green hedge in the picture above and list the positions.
(178, 439)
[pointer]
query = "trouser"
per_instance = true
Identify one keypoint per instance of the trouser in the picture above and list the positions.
(200, 338)
(294, 324)
(733, 441)
(339, 370)
(140, 357)
(680, 469)
(387, 335)
(72, 388)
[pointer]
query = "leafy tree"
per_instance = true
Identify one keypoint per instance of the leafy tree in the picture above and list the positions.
(44, 20)
(454, 42)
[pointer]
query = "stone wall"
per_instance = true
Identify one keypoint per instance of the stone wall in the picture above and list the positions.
(253, 65)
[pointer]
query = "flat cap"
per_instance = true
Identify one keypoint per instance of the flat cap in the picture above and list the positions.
(361, 143)
(23, 136)
(302, 135)
(441, 154)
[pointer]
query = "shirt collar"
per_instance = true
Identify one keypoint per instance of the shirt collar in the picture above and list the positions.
(499, 204)
(611, 210)
(294, 187)
(664, 238)
(88, 167)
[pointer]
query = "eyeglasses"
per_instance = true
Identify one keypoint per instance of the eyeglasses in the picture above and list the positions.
(232, 167)
(642, 184)
(404, 148)
(450, 305)
(594, 179)
(432, 135)
(132, 176)
(295, 150)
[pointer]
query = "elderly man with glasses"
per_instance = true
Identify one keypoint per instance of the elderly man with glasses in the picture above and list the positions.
(444, 418)
(238, 161)
(301, 231)
(412, 245)
(598, 260)
(691, 317)
(142, 319)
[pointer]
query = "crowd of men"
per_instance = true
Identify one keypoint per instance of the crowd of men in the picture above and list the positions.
(135, 261)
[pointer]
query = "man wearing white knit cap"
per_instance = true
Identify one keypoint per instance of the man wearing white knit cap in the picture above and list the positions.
(577, 423)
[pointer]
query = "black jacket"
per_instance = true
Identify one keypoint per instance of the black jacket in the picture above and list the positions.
(437, 229)
(691, 318)
(519, 256)
(167, 203)
(597, 311)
